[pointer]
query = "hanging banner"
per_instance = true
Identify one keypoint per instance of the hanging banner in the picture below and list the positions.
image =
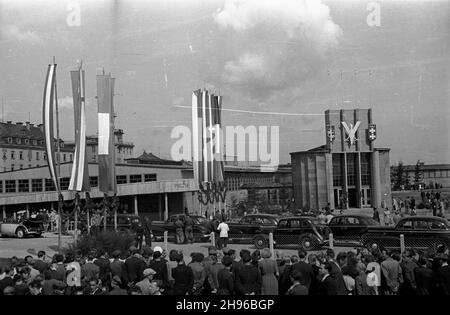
(106, 145)
(79, 180)
(48, 122)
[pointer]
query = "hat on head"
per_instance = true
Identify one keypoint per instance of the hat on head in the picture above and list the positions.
(158, 249)
(149, 271)
(227, 261)
(133, 249)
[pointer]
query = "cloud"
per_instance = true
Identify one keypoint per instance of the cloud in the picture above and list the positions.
(14, 33)
(277, 44)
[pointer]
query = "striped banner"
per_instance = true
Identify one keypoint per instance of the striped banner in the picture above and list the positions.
(106, 147)
(47, 118)
(207, 142)
(79, 180)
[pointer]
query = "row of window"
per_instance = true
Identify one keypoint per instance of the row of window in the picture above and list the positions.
(29, 142)
(436, 174)
(37, 154)
(39, 185)
(234, 183)
(338, 165)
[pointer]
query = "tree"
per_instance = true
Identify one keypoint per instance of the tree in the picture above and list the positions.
(418, 174)
(399, 176)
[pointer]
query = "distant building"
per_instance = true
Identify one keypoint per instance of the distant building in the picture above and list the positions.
(433, 175)
(124, 150)
(348, 164)
(22, 146)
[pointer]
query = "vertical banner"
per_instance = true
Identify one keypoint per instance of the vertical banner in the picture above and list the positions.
(218, 149)
(79, 180)
(47, 119)
(106, 146)
(197, 128)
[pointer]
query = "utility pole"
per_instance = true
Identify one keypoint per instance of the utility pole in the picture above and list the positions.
(59, 162)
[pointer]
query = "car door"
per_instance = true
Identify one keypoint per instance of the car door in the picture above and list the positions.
(354, 228)
(294, 231)
(280, 235)
(406, 228)
(335, 226)
(422, 236)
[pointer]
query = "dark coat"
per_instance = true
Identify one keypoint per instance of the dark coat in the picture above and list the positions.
(443, 276)
(298, 289)
(425, 280)
(248, 279)
(40, 266)
(134, 267)
(104, 266)
(6, 282)
(226, 282)
(328, 286)
(117, 268)
(336, 274)
(307, 272)
(184, 280)
(160, 266)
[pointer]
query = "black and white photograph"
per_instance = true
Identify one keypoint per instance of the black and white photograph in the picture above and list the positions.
(225, 153)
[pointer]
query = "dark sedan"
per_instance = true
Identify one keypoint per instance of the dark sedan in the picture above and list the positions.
(304, 232)
(350, 228)
(244, 230)
(421, 232)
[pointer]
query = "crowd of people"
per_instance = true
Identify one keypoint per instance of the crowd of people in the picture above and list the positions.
(149, 272)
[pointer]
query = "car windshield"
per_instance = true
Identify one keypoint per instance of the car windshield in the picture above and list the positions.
(200, 220)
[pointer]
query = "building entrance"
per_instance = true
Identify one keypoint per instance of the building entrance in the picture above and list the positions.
(352, 198)
(366, 197)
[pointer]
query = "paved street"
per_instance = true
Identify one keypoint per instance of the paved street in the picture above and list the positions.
(49, 243)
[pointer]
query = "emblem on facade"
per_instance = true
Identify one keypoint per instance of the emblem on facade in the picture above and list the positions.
(372, 132)
(331, 134)
(351, 131)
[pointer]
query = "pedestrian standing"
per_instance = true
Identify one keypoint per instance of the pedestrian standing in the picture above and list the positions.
(223, 228)
(376, 214)
(269, 272)
(189, 229)
(179, 225)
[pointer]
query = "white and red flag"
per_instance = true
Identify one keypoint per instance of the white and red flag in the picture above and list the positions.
(79, 180)
(48, 122)
(106, 146)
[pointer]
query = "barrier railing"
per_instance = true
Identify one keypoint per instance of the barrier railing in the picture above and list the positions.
(166, 240)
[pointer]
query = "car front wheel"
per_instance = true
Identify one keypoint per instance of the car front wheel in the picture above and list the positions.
(20, 233)
(308, 242)
(260, 242)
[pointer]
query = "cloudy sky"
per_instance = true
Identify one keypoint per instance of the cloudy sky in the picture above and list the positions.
(292, 59)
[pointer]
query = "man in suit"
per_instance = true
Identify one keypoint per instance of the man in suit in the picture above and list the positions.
(39, 263)
(336, 273)
(443, 275)
(104, 264)
(248, 277)
(134, 267)
(328, 285)
(183, 277)
(225, 278)
(392, 272)
(297, 287)
(90, 270)
(424, 277)
(304, 268)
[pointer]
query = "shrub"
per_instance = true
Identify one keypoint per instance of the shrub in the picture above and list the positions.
(109, 241)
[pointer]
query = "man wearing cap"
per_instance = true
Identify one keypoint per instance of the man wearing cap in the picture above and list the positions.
(148, 287)
(116, 283)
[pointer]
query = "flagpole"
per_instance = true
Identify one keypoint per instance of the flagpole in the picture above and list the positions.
(59, 163)
(77, 205)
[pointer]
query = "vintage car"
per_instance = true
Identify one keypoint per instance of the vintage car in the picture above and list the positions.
(201, 228)
(421, 232)
(348, 229)
(125, 223)
(24, 228)
(244, 230)
(303, 232)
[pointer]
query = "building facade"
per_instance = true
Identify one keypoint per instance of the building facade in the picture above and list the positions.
(22, 146)
(347, 170)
